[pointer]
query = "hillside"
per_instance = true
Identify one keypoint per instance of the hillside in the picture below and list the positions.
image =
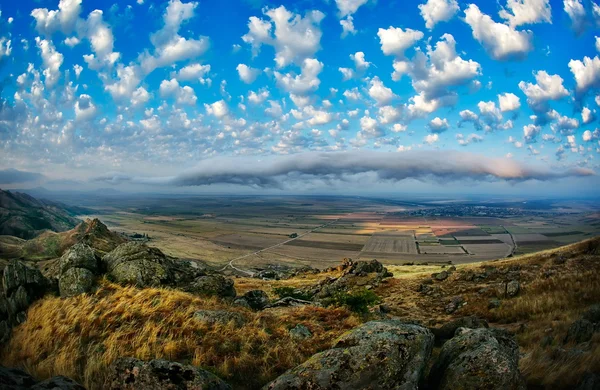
(546, 300)
(24, 216)
(51, 245)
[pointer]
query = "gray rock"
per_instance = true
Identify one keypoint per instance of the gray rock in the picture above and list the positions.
(222, 317)
(14, 379)
(216, 285)
(385, 354)
(512, 288)
(79, 255)
(447, 331)
(290, 301)
(580, 331)
(478, 359)
(441, 276)
(137, 264)
(58, 383)
(159, 374)
(300, 332)
(17, 274)
(254, 299)
(494, 303)
(76, 281)
(454, 304)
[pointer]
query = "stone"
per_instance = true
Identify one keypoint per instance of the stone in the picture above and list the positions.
(76, 281)
(58, 383)
(137, 264)
(253, 299)
(494, 303)
(441, 276)
(512, 288)
(222, 317)
(300, 332)
(387, 354)
(79, 255)
(158, 374)
(290, 301)
(216, 285)
(454, 304)
(447, 331)
(15, 379)
(580, 331)
(478, 359)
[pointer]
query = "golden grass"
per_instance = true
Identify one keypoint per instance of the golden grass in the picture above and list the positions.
(81, 336)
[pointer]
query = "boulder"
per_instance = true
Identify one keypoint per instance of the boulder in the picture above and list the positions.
(447, 331)
(580, 331)
(14, 379)
(385, 354)
(494, 303)
(478, 359)
(365, 267)
(300, 332)
(222, 317)
(512, 288)
(217, 285)
(254, 299)
(79, 255)
(134, 374)
(454, 304)
(441, 276)
(137, 264)
(76, 281)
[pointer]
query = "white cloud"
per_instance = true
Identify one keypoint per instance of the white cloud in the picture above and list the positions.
(370, 128)
(597, 44)
(295, 38)
(530, 133)
(431, 139)
(520, 12)
(139, 97)
(65, 18)
(77, 69)
(129, 78)
(587, 115)
(5, 47)
(471, 138)
(359, 61)
(509, 102)
(352, 94)
(576, 11)
(84, 108)
(388, 114)
(349, 7)
(317, 117)
(274, 110)
(500, 41)
(586, 73)
(347, 73)
(307, 81)
(169, 46)
(183, 95)
(347, 26)
(72, 41)
(379, 92)
(218, 109)
(399, 128)
(52, 60)
(438, 125)
(194, 72)
(395, 41)
(247, 74)
(547, 87)
(419, 105)
(258, 98)
(588, 135)
(435, 11)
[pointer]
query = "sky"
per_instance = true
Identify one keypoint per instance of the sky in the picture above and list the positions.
(340, 96)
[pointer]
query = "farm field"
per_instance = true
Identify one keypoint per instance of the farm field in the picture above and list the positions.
(257, 231)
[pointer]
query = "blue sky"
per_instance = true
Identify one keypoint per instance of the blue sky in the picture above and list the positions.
(301, 96)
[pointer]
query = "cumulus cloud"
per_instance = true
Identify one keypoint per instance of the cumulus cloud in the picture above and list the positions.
(295, 38)
(247, 74)
(502, 42)
(471, 138)
(347, 26)
(547, 88)
(52, 60)
(586, 73)
(395, 40)
(435, 11)
(520, 12)
(530, 133)
(587, 115)
(194, 72)
(218, 109)
(438, 125)
(431, 139)
(307, 81)
(64, 18)
(349, 7)
(509, 102)
(84, 108)
(182, 94)
(582, 18)
(379, 92)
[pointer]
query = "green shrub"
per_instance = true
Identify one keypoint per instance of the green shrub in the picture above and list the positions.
(357, 301)
(283, 292)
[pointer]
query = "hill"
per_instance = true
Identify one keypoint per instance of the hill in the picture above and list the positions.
(24, 216)
(545, 300)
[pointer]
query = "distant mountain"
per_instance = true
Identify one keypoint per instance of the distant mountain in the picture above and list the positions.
(24, 216)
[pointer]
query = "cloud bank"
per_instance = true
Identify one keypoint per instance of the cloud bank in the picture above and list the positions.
(277, 171)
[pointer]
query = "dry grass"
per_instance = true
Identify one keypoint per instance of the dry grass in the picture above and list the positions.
(79, 337)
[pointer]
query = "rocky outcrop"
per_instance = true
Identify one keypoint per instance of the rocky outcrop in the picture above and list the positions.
(14, 379)
(134, 374)
(254, 299)
(300, 332)
(448, 330)
(377, 355)
(21, 286)
(217, 285)
(78, 269)
(478, 359)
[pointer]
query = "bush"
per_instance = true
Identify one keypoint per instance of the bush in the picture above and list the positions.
(283, 292)
(357, 301)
